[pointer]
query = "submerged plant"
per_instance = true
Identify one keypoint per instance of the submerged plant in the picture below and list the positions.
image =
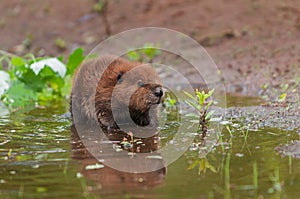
(202, 165)
(277, 184)
(200, 101)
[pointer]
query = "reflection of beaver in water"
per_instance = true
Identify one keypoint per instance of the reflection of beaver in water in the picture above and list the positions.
(113, 90)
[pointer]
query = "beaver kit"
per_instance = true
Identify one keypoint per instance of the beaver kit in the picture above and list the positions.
(114, 92)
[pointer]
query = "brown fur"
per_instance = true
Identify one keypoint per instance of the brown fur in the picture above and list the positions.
(134, 89)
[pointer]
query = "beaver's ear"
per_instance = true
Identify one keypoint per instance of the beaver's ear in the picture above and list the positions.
(119, 77)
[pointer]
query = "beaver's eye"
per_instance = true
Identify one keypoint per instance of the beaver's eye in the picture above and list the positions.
(119, 77)
(140, 83)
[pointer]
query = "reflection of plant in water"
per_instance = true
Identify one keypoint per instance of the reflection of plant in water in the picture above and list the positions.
(84, 185)
(201, 103)
(202, 164)
(275, 179)
(169, 117)
(170, 101)
(145, 54)
(227, 177)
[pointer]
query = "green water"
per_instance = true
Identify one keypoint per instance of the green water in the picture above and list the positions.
(37, 161)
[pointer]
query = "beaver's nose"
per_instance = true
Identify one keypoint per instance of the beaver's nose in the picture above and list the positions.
(158, 92)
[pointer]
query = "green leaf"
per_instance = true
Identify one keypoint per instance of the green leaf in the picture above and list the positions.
(194, 164)
(202, 166)
(150, 51)
(41, 189)
(211, 167)
(19, 95)
(66, 89)
(18, 61)
(47, 73)
(45, 95)
(23, 157)
(51, 78)
(29, 78)
(169, 102)
(41, 157)
(56, 83)
(201, 99)
(133, 55)
(74, 61)
(193, 104)
(192, 115)
(209, 114)
(190, 96)
(195, 121)
(9, 153)
(211, 92)
(208, 105)
(282, 97)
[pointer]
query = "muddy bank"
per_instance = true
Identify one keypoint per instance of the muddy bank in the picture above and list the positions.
(270, 115)
(252, 42)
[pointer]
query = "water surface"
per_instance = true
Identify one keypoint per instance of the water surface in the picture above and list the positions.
(39, 158)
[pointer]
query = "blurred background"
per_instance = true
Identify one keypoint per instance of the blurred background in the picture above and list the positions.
(239, 35)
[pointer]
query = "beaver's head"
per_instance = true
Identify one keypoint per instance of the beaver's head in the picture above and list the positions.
(127, 93)
(136, 92)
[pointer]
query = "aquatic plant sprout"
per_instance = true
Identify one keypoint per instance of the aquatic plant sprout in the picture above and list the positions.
(200, 103)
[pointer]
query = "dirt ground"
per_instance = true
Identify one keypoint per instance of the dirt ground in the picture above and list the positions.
(254, 42)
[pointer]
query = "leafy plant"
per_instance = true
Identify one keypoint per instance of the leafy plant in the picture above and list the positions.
(202, 165)
(170, 101)
(38, 80)
(279, 94)
(60, 43)
(145, 54)
(100, 5)
(201, 103)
